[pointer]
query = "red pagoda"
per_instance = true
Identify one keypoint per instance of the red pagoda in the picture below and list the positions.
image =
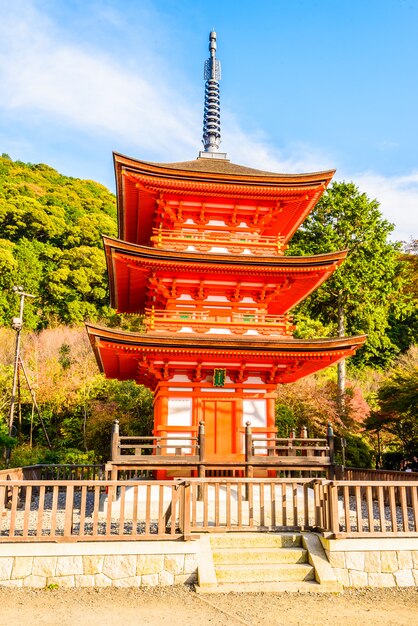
(201, 254)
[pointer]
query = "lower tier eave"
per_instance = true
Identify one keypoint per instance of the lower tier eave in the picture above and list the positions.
(151, 359)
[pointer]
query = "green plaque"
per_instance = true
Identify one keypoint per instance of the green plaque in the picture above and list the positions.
(219, 376)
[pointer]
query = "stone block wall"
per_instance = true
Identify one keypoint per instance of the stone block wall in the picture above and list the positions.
(98, 565)
(374, 562)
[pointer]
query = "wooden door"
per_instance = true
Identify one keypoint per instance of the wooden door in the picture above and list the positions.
(219, 417)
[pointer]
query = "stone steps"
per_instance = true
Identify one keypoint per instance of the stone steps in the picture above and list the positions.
(264, 562)
(307, 586)
(255, 539)
(260, 558)
(261, 572)
(231, 556)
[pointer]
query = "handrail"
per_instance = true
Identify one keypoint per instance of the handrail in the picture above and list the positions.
(236, 322)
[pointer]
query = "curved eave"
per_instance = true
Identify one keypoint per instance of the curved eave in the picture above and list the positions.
(120, 353)
(231, 180)
(219, 170)
(126, 288)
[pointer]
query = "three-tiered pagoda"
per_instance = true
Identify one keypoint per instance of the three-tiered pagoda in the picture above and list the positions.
(201, 253)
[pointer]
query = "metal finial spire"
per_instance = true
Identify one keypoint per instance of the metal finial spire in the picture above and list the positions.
(212, 115)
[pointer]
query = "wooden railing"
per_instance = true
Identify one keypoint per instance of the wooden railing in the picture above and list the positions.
(203, 321)
(228, 504)
(233, 242)
(78, 471)
(184, 450)
(361, 473)
(143, 509)
(368, 508)
(74, 511)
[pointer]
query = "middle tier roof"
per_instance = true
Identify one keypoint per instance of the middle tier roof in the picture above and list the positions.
(141, 276)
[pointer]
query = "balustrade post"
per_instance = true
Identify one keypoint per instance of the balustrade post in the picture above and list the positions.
(331, 446)
(304, 435)
(248, 442)
(202, 457)
(114, 441)
(185, 518)
(249, 470)
(202, 442)
(333, 516)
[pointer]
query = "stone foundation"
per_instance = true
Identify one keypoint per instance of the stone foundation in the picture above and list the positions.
(374, 562)
(98, 564)
(355, 562)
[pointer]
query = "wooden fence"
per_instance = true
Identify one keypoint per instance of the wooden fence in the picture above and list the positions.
(228, 504)
(368, 508)
(121, 510)
(92, 510)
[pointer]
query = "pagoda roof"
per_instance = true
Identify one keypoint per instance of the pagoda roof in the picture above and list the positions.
(222, 169)
(144, 357)
(140, 183)
(130, 267)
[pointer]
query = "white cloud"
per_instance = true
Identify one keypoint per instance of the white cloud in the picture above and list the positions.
(398, 197)
(39, 72)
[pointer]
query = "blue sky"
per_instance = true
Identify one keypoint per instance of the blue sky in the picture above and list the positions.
(306, 85)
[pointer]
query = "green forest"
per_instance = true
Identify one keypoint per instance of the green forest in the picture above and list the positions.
(50, 244)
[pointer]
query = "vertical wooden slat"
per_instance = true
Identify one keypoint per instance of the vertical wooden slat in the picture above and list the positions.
(111, 492)
(41, 504)
(205, 504)
(28, 499)
(148, 510)
(122, 510)
(250, 505)
(228, 505)
(175, 490)
(2, 505)
(239, 505)
(217, 504)
(135, 511)
(414, 502)
(273, 505)
(370, 513)
(83, 503)
(96, 499)
(392, 507)
(262, 505)
(54, 507)
(194, 491)
(404, 509)
(381, 507)
(305, 506)
(346, 496)
(186, 508)
(359, 514)
(295, 503)
(161, 520)
(69, 502)
(334, 514)
(284, 504)
(15, 497)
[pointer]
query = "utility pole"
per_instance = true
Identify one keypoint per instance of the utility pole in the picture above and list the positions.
(17, 325)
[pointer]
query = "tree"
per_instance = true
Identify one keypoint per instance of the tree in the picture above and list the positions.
(398, 397)
(359, 296)
(50, 242)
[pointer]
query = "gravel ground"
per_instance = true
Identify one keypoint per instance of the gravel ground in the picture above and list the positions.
(169, 606)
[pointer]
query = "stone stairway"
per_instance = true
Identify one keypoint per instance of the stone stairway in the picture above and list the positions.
(254, 562)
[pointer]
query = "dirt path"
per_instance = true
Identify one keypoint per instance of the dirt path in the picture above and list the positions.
(172, 607)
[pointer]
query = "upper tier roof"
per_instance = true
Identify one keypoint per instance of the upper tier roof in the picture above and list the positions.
(286, 199)
(222, 167)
